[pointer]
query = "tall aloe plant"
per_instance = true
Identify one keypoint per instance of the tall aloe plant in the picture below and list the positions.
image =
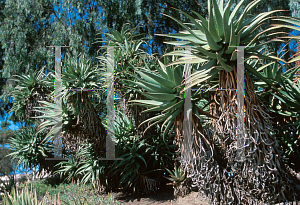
(127, 52)
(214, 42)
(282, 103)
(287, 107)
(30, 89)
(81, 121)
(163, 87)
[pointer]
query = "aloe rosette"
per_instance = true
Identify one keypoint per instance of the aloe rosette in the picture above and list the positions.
(163, 88)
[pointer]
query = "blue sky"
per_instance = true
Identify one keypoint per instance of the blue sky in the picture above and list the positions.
(12, 126)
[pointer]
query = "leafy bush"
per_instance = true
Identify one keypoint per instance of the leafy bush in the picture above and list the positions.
(181, 184)
(283, 102)
(29, 148)
(30, 89)
(140, 171)
(68, 168)
(289, 130)
(142, 158)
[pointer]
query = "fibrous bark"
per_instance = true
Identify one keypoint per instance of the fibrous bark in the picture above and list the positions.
(261, 176)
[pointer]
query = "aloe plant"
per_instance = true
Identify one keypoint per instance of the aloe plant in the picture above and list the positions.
(215, 42)
(30, 149)
(29, 89)
(177, 176)
(127, 52)
(68, 168)
(164, 87)
(79, 108)
(288, 97)
(24, 197)
(282, 102)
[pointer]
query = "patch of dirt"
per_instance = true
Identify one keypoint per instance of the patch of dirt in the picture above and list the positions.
(164, 196)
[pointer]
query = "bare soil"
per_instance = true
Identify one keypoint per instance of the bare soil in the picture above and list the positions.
(164, 196)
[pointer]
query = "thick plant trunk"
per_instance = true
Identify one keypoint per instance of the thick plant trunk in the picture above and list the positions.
(214, 168)
(261, 174)
(89, 128)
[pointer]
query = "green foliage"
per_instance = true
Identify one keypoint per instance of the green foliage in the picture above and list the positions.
(36, 24)
(41, 187)
(88, 166)
(146, 156)
(142, 157)
(29, 89)
(25, 197)
(215, 44)
(26, 33)
(148, 14)
(133, 166)
(164, 88)
(282, 103)
(68, 168)
(80, 74)
(76, 74)
(30, 149)
(177, 176)
(68, 193)
(127, 52)
(289, 132)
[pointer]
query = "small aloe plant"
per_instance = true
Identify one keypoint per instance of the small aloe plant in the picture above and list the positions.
(177, 176)
(25, 197)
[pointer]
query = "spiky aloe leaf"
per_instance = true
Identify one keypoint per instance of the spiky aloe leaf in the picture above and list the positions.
(218, 18)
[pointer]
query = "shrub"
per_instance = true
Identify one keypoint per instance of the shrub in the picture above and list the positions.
(30, 149)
